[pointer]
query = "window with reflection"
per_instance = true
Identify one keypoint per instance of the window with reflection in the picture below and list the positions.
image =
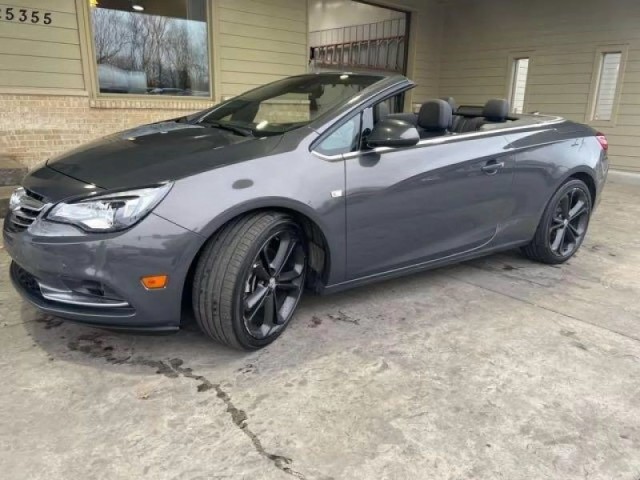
(343, 139)
(151, 47)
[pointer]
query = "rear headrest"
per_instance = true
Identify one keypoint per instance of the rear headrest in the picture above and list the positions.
(469, 111)
(496, 110)
(451, 102)
(435, 115)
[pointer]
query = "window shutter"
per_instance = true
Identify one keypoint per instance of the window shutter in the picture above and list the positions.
(519, 86)
(607, 85)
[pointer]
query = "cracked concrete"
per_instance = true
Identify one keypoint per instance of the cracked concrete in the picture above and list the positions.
(173, 368)
(497, 368)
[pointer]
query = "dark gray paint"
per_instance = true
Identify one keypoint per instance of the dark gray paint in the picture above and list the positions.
(419, 203)
(159, 152)
(400, 210)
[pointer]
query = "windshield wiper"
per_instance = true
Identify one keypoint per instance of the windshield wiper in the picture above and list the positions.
(245, 132)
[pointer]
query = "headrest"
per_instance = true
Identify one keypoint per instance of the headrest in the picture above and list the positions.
(316, 92)
(469, 111)
(496, 110)
(435, 115)
(451, 101)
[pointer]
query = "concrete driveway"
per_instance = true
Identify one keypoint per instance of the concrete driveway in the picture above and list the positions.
(495, 369)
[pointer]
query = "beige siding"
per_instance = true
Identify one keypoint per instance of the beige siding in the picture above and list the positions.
(38, 55)
(562, 39)
(426, 39)
(259, 41)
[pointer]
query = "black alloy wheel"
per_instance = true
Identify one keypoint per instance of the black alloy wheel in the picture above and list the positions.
(274, 284)
(249, 279)
(569, 224)
(563, 225)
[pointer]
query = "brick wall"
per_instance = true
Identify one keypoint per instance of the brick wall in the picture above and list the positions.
(36, 127)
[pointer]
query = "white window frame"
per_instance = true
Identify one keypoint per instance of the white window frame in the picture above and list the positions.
(595, 84)
(132, 100)
(511, 74)
(514, 78)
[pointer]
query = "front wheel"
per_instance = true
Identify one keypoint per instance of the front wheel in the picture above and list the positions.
(563, 225)
(249, 280)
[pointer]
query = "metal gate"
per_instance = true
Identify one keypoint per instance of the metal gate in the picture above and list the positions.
(374, 46)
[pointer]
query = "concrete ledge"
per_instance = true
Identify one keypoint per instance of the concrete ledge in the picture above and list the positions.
(192, 104)
(620, 176)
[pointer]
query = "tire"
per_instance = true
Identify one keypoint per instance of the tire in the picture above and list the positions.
(563, 225)
(257, 261)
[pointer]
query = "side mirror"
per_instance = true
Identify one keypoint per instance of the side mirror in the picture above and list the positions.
(393, 132)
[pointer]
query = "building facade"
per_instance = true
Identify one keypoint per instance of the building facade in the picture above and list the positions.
(66, 76)
(75, 70)
(51, 97)
(583, 61)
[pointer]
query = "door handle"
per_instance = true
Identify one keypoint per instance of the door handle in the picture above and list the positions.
(492, 167)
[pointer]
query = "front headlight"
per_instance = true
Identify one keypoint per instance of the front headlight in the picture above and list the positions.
(109, 212)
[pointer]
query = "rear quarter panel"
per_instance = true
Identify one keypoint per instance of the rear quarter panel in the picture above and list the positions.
(544, 159)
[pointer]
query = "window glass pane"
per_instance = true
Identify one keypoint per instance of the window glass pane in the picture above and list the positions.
(343, 140)
(149, 47)
(607, 85)
(284, 109)
(519, 86)
(289, 103)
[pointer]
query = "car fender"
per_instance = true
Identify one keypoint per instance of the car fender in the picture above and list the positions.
(334, 244)
(262, 204)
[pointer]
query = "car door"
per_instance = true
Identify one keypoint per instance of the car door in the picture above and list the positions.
(442, 197)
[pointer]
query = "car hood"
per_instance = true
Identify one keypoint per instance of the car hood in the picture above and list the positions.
(157, 153)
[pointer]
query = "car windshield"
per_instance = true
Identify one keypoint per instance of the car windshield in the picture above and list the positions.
(286, 104)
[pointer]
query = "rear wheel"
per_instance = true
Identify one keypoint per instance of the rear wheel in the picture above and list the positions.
(249, 280)
(563, 225)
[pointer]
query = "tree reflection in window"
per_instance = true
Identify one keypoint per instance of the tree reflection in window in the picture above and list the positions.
(160, 51)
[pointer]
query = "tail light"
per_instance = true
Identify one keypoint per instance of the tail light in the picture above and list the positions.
(602, 140)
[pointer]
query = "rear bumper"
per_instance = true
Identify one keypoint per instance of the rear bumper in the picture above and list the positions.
(95, 279)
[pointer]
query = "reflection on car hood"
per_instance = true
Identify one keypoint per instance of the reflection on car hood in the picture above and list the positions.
(158, 152)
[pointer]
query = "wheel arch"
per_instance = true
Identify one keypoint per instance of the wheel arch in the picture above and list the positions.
(580, 173)
(316, 231)
(538, 249)
(588, 178)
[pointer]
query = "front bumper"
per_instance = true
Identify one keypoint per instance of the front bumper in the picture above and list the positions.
(95, 279)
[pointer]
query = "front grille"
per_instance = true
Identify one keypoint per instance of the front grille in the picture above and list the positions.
(28, 208)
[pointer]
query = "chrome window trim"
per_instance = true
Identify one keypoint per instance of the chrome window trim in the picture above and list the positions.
(438, 140)
(328, 158)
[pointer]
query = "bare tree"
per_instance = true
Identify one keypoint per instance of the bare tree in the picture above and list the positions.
(109, 34)
(170, 52)
(179, 55)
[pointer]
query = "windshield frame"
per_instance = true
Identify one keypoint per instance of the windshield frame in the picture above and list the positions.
(265, 92)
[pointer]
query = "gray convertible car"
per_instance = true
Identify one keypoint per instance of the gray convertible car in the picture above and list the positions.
(315, 182)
